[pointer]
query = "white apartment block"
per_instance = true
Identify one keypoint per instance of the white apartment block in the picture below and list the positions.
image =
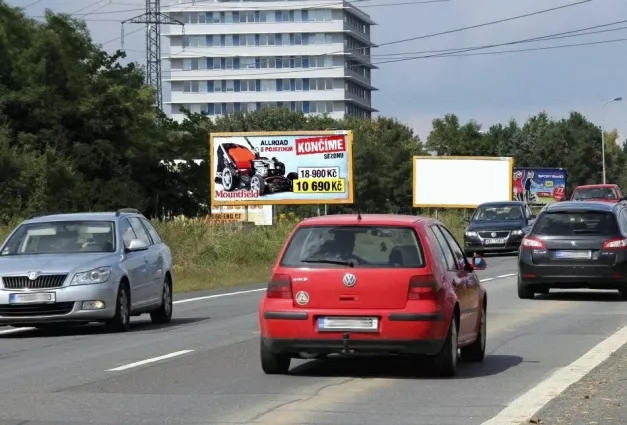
(244, 55)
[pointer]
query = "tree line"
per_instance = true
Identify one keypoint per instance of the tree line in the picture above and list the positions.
(79, 132)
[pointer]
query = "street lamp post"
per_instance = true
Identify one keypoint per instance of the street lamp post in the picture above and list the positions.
(618, 99)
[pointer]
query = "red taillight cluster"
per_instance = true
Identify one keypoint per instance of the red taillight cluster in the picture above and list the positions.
(615, 244)
(531, 242)
(280, 286)
(423, 287)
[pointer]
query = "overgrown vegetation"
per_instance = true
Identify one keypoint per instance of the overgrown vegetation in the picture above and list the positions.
(79, 132)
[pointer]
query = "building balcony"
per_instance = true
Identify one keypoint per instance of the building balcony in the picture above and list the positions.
(253, 73)
(177, 97)
(256, 28)
(178, 52)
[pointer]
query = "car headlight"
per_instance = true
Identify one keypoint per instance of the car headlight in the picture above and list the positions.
(471, 234)
(517, 232)
(99, 275)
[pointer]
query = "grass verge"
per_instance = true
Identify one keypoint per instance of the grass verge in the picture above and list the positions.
(217, 256)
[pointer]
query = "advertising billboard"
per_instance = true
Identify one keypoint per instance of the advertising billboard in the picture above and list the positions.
(461, 181)
(539, 186)
(273, 168)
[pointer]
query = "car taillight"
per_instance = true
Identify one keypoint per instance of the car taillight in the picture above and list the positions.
(423, 287)
(531, 242)
(616, 243)
(280, 286)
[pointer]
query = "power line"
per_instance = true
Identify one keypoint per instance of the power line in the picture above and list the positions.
(119, 38)
(555, 36)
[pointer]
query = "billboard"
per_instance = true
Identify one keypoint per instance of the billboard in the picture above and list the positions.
(538, 186)
(273, 168)
(461, 181)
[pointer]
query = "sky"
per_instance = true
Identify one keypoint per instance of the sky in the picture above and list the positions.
(487, 88)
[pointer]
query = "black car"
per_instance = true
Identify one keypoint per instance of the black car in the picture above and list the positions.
(575, 244)
(497, 227)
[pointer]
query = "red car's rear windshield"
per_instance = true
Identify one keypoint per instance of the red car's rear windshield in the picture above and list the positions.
(595, 193)
(362, 246)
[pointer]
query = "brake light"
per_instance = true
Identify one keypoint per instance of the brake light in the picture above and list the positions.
(532, 242)
(616, 243)
(280, 286)
(423, 287)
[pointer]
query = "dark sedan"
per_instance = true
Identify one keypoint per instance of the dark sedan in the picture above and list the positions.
(575, 244)
(497, 227)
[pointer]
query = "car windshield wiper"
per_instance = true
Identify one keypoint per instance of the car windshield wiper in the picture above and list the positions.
(338, 262)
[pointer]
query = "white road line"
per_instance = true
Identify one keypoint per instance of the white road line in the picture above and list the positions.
(521, 409)
(16, 330)
(208, 297)
(487, 280)
(505, 275)
(147, 361)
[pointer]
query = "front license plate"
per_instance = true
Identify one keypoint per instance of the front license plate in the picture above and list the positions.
(32, 298)
(335, 324)
(575, 255)
(494, 241)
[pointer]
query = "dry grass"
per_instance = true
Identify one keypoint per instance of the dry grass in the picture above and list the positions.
(216, 256)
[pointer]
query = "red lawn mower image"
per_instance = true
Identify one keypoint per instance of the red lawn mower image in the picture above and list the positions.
(241, 167)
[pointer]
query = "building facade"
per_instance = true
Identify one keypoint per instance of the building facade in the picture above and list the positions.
(233, 55)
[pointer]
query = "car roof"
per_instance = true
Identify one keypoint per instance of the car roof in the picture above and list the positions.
(85, 216)
(366, 219)
(600, 185)
(499, 203)
(579, 205)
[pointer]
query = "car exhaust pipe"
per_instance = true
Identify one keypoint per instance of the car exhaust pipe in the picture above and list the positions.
(345, 339)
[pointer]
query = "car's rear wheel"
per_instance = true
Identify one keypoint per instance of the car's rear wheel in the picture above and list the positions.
(163, 314)
(445, 362)
(121, 322)
(525, 292)
(623, 293)
(274, 363)
(475, 352)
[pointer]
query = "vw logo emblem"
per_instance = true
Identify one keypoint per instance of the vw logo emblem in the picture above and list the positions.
(349, 280)
(33, 275)
(573, 243)
(493, 234)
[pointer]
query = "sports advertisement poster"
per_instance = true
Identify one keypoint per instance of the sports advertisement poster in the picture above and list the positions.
(274, 168)
(539, 186)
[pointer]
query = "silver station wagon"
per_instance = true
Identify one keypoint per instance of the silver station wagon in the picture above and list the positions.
(85, 267)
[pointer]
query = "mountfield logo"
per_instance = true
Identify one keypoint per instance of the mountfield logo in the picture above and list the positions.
(317, 145)
(223, 194)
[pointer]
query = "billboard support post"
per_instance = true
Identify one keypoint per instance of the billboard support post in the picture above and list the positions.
(282, 168)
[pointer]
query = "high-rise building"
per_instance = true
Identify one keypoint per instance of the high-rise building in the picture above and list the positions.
(244, 55)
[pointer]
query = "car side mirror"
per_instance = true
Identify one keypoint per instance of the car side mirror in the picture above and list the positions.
(136, 245)
(526, 230)
(479, 263)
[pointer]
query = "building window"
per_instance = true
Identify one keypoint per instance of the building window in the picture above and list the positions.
(230, 85)
(287, 85)
(217, 86)
(267, 63)
(247, 85)
(194, 87)
(268, 85)
(194, 64)
(228, 63)
(299, 84)
(247, 63)
(228, 40)
(321, 107)
(320, 15)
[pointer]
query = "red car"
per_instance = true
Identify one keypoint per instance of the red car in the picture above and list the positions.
(378, 284)
(597, 192)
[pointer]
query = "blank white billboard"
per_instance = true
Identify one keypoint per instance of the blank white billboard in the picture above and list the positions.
(461, 181)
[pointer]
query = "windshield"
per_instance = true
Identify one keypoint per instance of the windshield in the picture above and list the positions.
(573, 223)
(61, 237)
(499, 213)
(354, 246)
(595, 193)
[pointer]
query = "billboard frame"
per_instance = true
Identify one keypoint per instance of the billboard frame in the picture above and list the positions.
(349, 152)
(482, 158)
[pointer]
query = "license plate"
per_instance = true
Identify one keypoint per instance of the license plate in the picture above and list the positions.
(363, 324)
(494, 241)
(578, 255)
(32, 298)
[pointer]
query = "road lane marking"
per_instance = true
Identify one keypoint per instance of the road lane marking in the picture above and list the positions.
(16, 330)
(521, 409)
(505, 275)
(208, 297)
(147, 361)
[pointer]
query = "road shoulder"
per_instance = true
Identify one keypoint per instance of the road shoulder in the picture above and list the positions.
(598, 398)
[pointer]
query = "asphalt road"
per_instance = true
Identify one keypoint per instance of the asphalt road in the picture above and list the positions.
(65, 377)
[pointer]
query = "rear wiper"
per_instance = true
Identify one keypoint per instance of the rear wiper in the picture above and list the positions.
(338, 262)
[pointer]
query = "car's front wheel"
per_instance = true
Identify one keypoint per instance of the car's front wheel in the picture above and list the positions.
(273, 363)
(121, 321)
(475, 352)
(163, 314)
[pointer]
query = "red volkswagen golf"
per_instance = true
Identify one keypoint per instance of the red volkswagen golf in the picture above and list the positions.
(385, 284)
